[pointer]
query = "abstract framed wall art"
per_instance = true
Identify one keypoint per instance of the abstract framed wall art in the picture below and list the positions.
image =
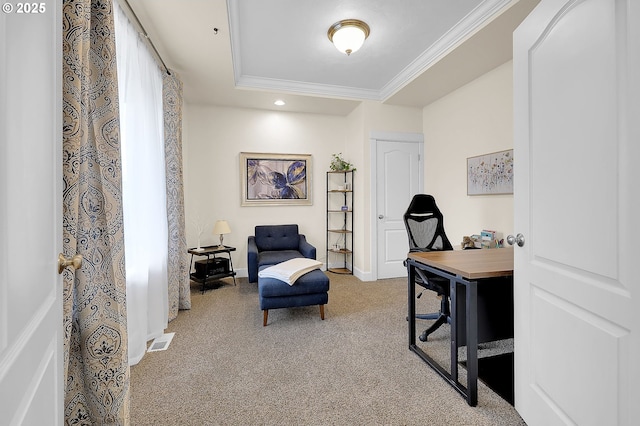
(490, 173)
(275, 179)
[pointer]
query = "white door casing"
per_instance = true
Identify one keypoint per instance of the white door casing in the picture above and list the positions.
(31, 385)
(576, 108)
(397, 176)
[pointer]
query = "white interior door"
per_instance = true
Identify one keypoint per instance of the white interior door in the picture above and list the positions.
(398, 178)
(31, 385)
(577, 133)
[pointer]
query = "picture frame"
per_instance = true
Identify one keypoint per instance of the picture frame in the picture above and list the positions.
(276, 179)
(490, 174)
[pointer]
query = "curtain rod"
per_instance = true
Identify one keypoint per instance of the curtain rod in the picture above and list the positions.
(144, 34)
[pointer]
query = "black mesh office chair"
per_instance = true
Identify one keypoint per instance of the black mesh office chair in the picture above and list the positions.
(425, 229)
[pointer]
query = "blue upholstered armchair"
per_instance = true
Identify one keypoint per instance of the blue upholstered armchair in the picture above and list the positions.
(273, 244)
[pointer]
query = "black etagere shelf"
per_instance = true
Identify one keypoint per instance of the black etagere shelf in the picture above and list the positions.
(340, 221)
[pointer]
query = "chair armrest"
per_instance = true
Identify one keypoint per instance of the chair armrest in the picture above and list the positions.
(252, 259)
(305, 248)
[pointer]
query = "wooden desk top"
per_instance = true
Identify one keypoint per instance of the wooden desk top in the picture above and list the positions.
(470, 264)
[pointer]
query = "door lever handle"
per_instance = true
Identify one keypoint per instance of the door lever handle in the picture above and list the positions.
(75, 262)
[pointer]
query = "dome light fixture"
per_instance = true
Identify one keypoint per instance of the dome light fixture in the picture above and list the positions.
(348, 35)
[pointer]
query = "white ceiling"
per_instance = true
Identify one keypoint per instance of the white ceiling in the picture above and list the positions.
(418, 50)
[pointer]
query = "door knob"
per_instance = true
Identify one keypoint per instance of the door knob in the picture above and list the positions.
(75, 262)
(518, 239)
(381, 217)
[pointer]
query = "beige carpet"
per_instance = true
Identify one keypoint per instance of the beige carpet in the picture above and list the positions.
(354, 368)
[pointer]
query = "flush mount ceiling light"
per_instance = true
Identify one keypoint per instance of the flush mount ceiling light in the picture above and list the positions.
(348, 35)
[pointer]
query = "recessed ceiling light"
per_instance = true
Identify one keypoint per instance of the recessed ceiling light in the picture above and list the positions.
(279, 102)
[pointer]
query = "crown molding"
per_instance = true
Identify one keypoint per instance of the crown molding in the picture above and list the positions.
(471, 23)
(298, 87)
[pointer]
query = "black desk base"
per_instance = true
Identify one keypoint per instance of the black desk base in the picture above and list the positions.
(497, 372)
(464, 326)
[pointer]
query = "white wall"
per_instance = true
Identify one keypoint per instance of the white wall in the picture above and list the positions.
(214, 137)
(473, 120)
(367, 118)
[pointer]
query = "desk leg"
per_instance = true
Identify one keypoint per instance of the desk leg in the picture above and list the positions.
(411, 303)
(472, 343)
(453, 297)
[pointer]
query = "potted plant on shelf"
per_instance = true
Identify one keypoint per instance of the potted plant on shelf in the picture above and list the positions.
(338, 164)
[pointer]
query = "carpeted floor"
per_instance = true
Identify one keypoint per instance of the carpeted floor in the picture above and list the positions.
(354, 368)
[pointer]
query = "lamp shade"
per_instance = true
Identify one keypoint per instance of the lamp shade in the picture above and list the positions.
(221, 227)
(348, 35)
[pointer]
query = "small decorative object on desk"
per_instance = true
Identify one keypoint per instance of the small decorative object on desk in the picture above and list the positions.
(468, 243)
(489, 239)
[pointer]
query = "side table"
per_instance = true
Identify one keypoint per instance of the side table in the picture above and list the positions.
(211, 252)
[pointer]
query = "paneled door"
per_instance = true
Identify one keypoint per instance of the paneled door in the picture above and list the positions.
(398, 177)
(31, 384)
(577, 204)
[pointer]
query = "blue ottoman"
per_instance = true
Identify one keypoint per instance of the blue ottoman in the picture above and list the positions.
(310, 289)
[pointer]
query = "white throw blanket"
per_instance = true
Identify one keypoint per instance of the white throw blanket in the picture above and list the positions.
(290, 270)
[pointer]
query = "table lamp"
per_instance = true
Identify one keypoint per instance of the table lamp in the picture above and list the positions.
(221, 227)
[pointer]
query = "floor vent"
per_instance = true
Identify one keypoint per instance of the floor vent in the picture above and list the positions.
(161, 343)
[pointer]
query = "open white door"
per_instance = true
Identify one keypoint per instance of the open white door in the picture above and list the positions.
(397, 177)
(31, 384)
(577, 204)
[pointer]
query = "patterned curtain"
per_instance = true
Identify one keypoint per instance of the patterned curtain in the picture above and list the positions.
(178, 262)
(95, 348)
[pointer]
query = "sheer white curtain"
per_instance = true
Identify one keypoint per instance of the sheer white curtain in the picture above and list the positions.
(143, 187)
